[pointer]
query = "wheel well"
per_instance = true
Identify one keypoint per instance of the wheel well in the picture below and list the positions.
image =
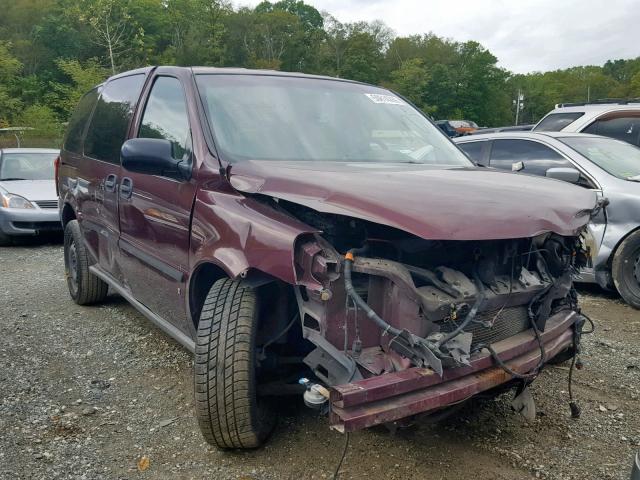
(201, 281)
(67, 214)
(615, 249)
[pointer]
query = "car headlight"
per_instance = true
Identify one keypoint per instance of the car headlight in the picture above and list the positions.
(9, 200)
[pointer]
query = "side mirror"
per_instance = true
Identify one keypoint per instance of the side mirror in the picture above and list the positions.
(570, 175)
(152, 156)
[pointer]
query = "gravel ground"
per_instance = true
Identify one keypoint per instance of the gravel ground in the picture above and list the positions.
(95, 392)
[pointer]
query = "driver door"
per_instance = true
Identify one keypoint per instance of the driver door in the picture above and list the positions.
(155, 211)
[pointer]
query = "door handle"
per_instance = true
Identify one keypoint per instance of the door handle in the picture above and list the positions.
(126, 187)
(110, 183)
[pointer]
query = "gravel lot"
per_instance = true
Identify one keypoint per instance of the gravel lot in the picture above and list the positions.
(88, 392)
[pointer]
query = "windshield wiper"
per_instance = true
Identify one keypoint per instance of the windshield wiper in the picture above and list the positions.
(634, 178)
(11, 178)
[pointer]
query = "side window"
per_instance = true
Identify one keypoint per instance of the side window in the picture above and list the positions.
(473, 150)
(536, 158)
(621, 128)
(555, 122)
(73, 139)
(111, 118)
(165, 116)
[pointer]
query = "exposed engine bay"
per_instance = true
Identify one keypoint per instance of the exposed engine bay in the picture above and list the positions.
(374, 299)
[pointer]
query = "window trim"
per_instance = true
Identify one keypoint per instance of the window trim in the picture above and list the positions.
(135, 107)
(596, 185)
(142, 107)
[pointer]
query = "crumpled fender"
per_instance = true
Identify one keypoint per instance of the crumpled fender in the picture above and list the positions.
(239, 233)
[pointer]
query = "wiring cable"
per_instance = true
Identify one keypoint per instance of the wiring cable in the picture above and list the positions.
(336, 473)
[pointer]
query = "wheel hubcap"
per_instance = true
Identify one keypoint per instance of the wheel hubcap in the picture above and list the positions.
(73, 266)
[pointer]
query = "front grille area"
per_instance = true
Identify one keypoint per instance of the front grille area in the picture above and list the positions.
(510, 321)
(39, 226)
(47, 203)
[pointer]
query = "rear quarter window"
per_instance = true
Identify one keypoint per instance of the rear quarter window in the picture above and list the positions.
(75, 129)
(620, 127)
(110, 121)
(554, 122)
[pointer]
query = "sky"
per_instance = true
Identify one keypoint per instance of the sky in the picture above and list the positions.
(525, 35)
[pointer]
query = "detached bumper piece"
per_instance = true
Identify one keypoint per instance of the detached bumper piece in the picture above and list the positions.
(397, 395)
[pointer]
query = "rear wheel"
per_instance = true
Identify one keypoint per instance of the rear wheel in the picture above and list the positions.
(84, 287)
(229, 412)
(625, 269)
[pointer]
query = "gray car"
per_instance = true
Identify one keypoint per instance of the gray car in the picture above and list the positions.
(607, 166)
(28, 199)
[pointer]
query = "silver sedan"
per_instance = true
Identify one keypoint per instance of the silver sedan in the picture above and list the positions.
(609, 167)
(28, 199)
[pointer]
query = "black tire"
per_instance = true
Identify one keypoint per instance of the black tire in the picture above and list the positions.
(625, 269)
(5, 240)
(228, 410)
(84, 287)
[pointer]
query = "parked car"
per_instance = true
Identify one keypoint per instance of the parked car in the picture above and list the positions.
(464, 127)
(609, 167)
(618, 119)
(511, 128)
(28, 199)
(447, 128)
(457, 128)
(261, 218)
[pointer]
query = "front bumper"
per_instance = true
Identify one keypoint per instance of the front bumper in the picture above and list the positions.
(21, 221)
(392, 396)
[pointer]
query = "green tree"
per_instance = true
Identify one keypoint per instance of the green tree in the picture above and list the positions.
(81, 77)
(43, 121)
(10, 67)
(412, 81)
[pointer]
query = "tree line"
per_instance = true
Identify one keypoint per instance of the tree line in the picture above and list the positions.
(52, 51)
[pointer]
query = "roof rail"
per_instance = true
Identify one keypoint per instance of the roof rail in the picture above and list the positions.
(604, 101)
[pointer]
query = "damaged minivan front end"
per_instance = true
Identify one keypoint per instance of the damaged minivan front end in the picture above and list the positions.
(402, 324)
(411, 326)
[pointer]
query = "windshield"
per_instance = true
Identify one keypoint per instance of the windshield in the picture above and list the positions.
(620, 159)
(260, 117)
(27, 166)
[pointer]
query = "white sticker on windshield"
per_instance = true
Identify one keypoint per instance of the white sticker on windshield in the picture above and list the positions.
(378, 98)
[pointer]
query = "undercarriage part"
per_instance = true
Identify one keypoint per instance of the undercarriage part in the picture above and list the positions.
(315, 396)
(404, 301)
(329, 364)
(348, 262)
(389, 397)
(420, 351)
(468, 318)
(524, 404)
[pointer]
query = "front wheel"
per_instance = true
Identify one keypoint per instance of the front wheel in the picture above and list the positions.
(229, 412)
(84, 287)
(625, 269)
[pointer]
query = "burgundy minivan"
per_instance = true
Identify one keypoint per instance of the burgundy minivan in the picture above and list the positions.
(315, 236)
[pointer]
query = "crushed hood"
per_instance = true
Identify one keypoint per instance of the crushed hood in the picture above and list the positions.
(432, 203)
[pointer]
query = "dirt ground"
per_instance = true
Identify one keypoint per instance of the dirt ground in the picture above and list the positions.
(85, 393)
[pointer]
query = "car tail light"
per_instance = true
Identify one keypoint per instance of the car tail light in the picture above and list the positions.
(56, 169)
